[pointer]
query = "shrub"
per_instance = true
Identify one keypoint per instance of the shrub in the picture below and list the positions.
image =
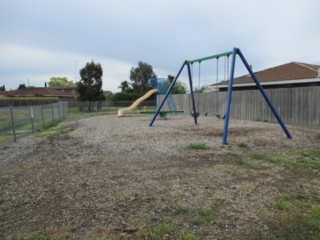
(124, 96)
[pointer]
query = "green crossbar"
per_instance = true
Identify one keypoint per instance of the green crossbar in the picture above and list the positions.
(210, 57)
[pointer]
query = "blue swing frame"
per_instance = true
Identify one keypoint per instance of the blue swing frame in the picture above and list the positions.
(236, 51)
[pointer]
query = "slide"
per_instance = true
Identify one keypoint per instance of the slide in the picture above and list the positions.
(121, 111)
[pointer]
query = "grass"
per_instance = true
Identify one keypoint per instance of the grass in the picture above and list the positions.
(35, 236)
(294, 215)
(157, 231)
(197, 146)
(186, 234)
(240, 160)
(40, 236)
(202, 215)
(242, 145)
(282, 205)
(303, 159)
(177, 209)
(52, 129)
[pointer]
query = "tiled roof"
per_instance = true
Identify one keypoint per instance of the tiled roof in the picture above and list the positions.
(69, 86)
(289, 71)
(47, 92)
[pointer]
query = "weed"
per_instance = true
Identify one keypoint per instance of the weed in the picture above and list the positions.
(303, 159)
(282, 205)
(50, 133)
(261, 120)
(52, 124)
(197, 146)
(242, 145)
(40, 236)
(203, 215)
(157, 232)
(242, 162)
(186, 235)
(180, 209)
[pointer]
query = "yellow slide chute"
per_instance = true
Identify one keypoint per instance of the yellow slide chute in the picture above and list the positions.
(121, 111)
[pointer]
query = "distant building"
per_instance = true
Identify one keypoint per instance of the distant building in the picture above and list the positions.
(37, 91)
(70, 89)
(294, 74)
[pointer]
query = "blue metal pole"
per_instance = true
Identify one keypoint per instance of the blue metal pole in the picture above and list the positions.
(274, 111)
(229, 98)
(166, 96)
(192, 95)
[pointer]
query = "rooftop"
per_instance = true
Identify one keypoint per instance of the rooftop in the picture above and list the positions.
(289, 71)
(27, 92)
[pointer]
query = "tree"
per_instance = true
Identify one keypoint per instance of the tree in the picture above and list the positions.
(178, 88)
(90, 85)
(3, 88)
(124, 96)
(125, 87)
(22, 86)
(200, 90)
(140, 76)
(58, 81)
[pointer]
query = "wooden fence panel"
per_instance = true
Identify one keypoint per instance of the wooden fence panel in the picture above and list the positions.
(294, 105)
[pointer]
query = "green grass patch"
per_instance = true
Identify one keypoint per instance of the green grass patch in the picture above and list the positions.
(157, 231)
(177, 209)
(202, 215)
(282, 205)
(297, 216)
(41, 236)
(53, 132)
(240, 160)
(53, 129)
(185, 235)
(303, 159)
(242, 145)
(197, 146)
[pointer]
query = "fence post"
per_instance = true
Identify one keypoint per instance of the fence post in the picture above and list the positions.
(59, 110)
(96, 106)
(63, 114)
(52, 112)
(42, 117)
(12, 125)
(31, 118)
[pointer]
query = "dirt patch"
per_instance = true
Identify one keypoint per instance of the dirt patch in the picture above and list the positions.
(115, 177)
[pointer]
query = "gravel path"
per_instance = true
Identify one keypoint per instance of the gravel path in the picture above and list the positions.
(110, 174)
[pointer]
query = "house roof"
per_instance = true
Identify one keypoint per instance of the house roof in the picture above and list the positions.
(69, 86)
(47, 92)
(285, 72)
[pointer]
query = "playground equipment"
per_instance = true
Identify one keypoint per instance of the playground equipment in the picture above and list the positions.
(236, 51)
(162, 86)
(121, 111)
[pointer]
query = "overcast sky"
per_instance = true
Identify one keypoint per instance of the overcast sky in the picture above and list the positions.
(40, 39)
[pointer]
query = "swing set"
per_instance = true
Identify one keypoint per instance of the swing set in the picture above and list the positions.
(195, 114)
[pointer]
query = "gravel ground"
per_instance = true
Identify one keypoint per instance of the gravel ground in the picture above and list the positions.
(110, 176)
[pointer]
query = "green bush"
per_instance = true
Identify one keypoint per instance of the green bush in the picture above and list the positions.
(124, 96)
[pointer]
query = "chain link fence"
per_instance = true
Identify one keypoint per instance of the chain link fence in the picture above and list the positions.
(17, 122)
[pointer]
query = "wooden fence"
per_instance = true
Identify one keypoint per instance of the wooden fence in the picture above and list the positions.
(299, 105)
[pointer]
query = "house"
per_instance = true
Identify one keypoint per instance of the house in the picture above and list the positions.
(37, 91)
(70, 89)
(293, 74)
